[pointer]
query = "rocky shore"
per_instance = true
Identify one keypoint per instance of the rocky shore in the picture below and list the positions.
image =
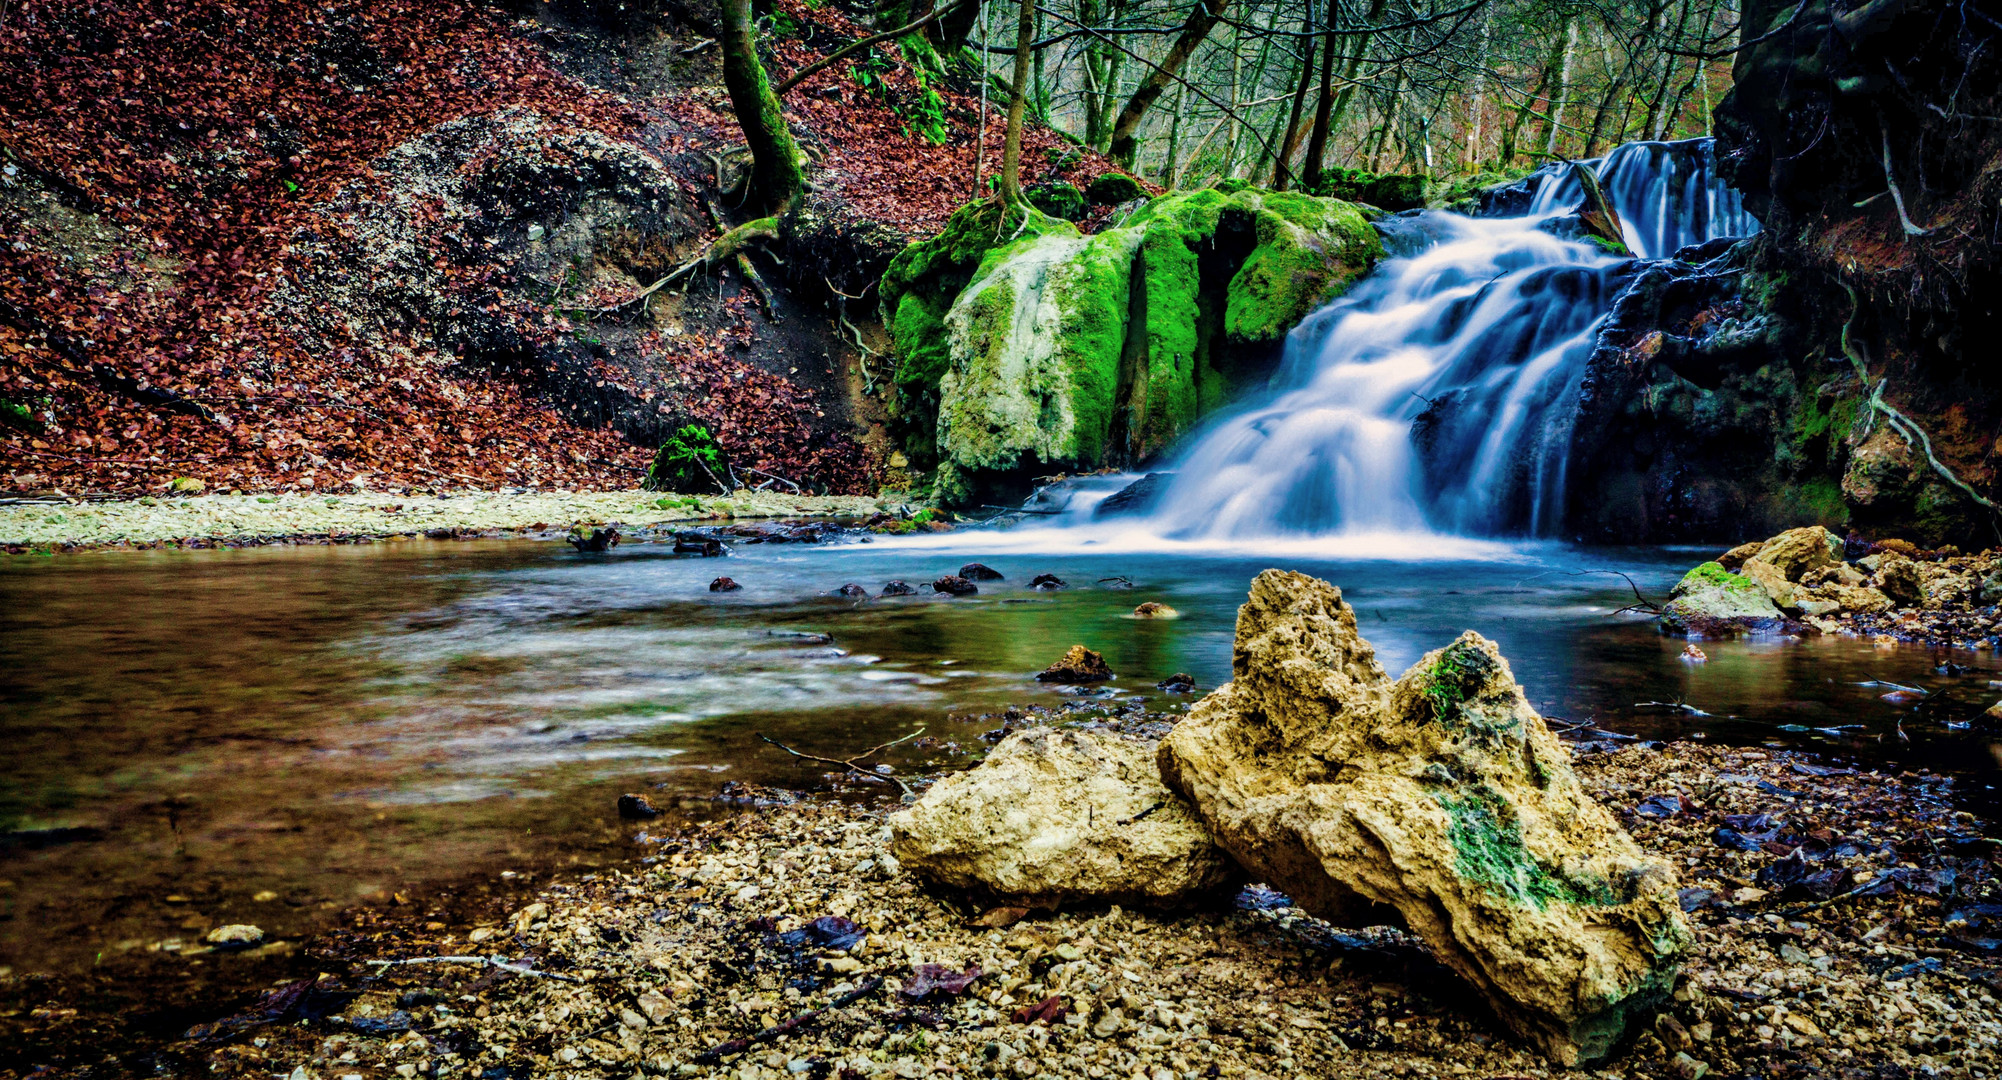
(701, 959)
(1808, 580)
(58, 524)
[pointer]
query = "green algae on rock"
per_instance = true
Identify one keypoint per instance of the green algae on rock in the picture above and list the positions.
(1034, 348)
(1441, 795)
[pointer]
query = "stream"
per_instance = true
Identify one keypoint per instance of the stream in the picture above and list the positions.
(273, 735)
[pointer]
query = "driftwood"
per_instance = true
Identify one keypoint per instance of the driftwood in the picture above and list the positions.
(850, 763)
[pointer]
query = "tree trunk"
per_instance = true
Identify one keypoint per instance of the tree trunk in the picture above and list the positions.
(1095, 70)
(776, 179)
(1559, 97)
(1174, 137)
(1349, 70)
(1523, 110)
(1233, 155)
(1480, 88)
(1389, 121)
(1282, 167)
(1018, 92)
(1125, 131)
(1324, 107)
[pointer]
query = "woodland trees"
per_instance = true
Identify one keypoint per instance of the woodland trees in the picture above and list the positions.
(1293, 92)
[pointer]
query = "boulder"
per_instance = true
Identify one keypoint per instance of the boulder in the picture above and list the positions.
(1440, 797)
(1772, 579)
(1797, 551)
(724, 584)
(1056, 816)
(898, 588)
(954, 585)
(974, 571)
(1862, 600)
(1735, 558)
(1898, 578)
(1711, 599)
(1078, 665)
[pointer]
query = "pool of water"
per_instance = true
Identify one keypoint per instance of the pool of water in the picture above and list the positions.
(269, 735)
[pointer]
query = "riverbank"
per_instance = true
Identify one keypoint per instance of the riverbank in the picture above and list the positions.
(1845, 921)
(249, 520)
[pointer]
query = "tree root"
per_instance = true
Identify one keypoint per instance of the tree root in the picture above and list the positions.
(722, 250)
(759, 289)
(1891, 181)
(1907, 428)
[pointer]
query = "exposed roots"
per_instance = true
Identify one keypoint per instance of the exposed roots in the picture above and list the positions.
(726, 248)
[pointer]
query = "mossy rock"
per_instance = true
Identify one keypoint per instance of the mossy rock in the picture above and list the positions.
(1387, 191)
(1113, 188)
(1065, 352)
(1057, 200)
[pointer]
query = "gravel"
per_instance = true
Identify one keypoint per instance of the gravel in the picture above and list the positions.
(712, 937)
(243, 520)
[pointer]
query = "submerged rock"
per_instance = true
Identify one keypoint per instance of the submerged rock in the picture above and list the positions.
(1441, 795)
(724, 584)
(1056, 816)
(1048, 583)
(1137, 497)
(899, 588)
(1154, 609)
(852, 591)
(1078, 665)
(954, 585)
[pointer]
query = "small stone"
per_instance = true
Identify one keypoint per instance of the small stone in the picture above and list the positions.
(1688, 1068)
(1178, 683)
(724, 584)
(1078, 665)
(1154, 610)
(479, 934)
(264, 896)
(634, 807)
(235, 936)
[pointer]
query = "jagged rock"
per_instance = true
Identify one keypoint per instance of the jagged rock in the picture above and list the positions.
(1770, 578)
(1441, 796)
(1710, 599)
(1048, 583)
(1898, 578)
(1861, 600)
(1055, 816)
(898, 588)
(1079, 665)
(1797, 551)
(954, 585)
(1735, 558)
(974, 571)
(1137, 497)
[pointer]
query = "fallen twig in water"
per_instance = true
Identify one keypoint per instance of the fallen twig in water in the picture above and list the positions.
(850, 763)
(1690, 709)
(491, 961)
(778, 1031)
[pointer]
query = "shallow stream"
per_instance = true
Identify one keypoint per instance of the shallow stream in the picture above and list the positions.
(189, 731)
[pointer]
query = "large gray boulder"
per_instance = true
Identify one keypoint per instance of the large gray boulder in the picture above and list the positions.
(1056, 816)
(1440, 799)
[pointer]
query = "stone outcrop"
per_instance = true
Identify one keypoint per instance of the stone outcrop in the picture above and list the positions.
(1440, 796)
(1077, 665)
(1056, 351)
(1057, 816)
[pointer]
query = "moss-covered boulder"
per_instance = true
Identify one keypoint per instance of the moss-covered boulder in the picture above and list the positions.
(1113, 188)
(1061, 352)
(1441, 795)
(1058, 200)
(1711, 601)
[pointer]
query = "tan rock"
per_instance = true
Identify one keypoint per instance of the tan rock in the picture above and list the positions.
(1797, 551)
(1898, 578)
(1077, 665)
(1833, 574)
(1442, 797)
(1773, 580)
(1056, 816)
(1734, 558)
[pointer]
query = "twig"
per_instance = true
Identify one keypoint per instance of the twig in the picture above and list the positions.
(491, 961)
(778, 1031)
(1690, 709)
(797, 490)
(849, 763)
(697, 47)
(107, 461)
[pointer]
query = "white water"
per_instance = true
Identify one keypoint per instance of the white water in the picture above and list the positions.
(1493, 318)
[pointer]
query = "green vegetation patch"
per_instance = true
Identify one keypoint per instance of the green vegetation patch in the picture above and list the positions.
(1488, 850)
(690, 460)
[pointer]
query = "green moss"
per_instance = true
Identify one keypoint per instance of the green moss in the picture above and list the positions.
(1057, 200)
(1113, 188)
(1488, 850)
(690, 460)
(1713, 573)
(1309, 252)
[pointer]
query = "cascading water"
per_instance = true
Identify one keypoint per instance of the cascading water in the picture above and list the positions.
(1434, 395)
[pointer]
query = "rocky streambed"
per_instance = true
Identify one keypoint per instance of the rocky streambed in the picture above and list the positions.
(1812, 919)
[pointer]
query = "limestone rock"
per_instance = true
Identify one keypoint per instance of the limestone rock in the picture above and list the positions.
(1772, 579)
(1862, 600)
(1735, 558)
(1441, 796)
(1058, 816)
(1710, 600)
(1797, 551)
(1898, 578)
(1077, 665)
(235, 936)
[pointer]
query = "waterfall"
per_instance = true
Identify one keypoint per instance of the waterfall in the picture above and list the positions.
(1435, 396)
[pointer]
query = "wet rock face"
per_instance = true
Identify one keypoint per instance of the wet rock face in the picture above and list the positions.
(1078, 665)
(1440, 795)
(1710, 597)
(1058, 816)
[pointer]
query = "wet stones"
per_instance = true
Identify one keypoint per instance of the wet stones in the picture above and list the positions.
(852, 591)
(635, 807)
(686, 544)
(1440, 794)
(1178, 683)
(594, 540)
(899, 588)
(974, 571)
(1056, 816)
(1047, 583)
(1077, 665)
(954, 585)
(724, 584)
